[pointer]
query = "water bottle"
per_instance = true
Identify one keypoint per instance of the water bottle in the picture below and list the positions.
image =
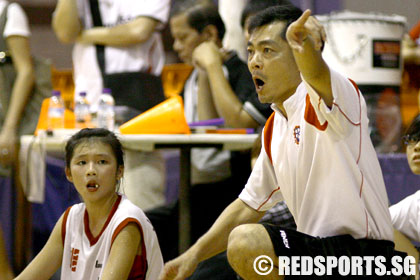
(82, 111)
(106, 114)
(55, 111)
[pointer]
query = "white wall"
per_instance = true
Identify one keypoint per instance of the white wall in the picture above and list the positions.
(44, 43)
(408, 8)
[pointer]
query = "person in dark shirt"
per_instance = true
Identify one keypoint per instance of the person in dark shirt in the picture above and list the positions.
(219, 87)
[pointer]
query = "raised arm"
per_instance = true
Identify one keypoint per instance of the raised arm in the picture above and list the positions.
(48, 260)
(306, 36)
(205, 103)
(66, 23)
(213, 242)
(22, 62)
(123, 251)
(134, 32)
(226, 103)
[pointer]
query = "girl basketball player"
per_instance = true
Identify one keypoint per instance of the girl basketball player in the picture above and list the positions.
(106, 236)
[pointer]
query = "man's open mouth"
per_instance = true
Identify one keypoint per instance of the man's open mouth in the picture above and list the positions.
(258, 83)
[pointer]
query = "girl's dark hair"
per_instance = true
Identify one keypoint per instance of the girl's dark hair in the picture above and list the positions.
(287, 13)
(100, 134)
(413, 131)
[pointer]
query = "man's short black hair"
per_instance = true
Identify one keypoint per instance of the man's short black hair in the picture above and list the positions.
(287, 13)
(255, 6)
(200, 14)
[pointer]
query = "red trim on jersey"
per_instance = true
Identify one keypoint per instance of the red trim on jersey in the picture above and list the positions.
(360, 106)
(311, 117)
(360, 195)
(361, 184)
(63, 224)
(415, 31)
(139, 268)
(92, 239)
(341, 111)
(355, 86)
(268, 133)
(360, 118)
(360, 148)
(271, 194)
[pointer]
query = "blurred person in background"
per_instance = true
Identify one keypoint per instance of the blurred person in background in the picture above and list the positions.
(5, 268)
(130, 41)
(405, 214)
(219, 87)
(410, 85)
(13, 98)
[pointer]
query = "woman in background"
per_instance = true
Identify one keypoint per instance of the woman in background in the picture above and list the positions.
(15, 45)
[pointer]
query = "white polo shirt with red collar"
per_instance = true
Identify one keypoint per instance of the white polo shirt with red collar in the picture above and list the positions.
(321, 161)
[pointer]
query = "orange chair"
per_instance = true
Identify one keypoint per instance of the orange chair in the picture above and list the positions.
(174, 77)
(62, 80)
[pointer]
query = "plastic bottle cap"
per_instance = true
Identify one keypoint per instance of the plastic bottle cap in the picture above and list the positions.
(56, 93)
(106, 91)
(83, 93)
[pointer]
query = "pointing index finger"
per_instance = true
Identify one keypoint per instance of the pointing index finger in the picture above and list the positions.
(304, 17)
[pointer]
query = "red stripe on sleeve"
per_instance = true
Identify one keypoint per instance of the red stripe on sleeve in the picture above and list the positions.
(139, 268)
(271, 194)
(63, 224)
(311, 117)
(268, 133)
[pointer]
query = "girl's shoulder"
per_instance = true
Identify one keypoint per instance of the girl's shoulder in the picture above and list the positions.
(77, 208)
(129, 207)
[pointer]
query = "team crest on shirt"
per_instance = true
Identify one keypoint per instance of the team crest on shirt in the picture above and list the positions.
(296, 134)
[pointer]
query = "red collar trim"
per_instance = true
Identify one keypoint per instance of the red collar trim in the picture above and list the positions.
(89, 235)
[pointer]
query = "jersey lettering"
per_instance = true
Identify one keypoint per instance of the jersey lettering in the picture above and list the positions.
(74, 258)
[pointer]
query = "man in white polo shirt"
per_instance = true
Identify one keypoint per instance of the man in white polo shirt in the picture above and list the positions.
(316, 155)
(128, 41)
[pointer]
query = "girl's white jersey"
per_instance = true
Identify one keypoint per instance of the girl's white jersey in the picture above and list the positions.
(85, 256)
